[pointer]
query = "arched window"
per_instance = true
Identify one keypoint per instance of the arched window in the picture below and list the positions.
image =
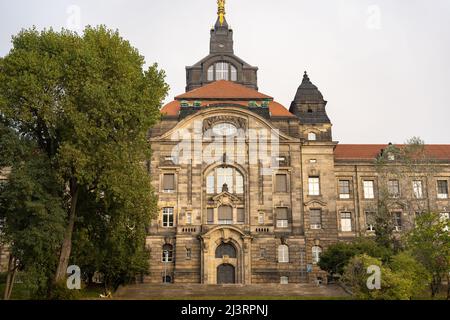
(225, 215)
(312, 136)
(233, 179)
(316, 252)
(222, 71)
(225, 249)
(283, 253)
(167, 253)
(211, 73)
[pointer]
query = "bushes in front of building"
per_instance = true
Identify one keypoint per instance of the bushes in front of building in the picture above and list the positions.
(422, 264)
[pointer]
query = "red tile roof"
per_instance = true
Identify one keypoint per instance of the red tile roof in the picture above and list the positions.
(275, 108)
(371, 151)
(223, 90)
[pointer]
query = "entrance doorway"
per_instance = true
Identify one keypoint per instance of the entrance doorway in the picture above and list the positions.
(225, 274)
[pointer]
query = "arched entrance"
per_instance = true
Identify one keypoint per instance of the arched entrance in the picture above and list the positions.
(226, 274)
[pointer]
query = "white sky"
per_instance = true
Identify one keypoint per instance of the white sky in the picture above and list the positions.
(383, 65)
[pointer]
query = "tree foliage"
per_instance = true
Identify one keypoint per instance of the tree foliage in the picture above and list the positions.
(337, 255)
(429, 242)
(87, 104)
(399, 282)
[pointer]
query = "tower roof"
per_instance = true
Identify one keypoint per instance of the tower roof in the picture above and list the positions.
(307, 91)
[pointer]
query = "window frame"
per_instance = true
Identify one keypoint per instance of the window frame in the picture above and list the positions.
(394, 188)
(286, 184)
(314, 186)
(414, 187)
(283, 253)
(169, 255)
(441, 195)
(282, 223)
(344, 196)
(315, 226)
(348, 223)
(163, 189)
(170, 223)
(369, 195)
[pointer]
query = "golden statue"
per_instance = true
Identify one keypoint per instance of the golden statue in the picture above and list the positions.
(221, 11)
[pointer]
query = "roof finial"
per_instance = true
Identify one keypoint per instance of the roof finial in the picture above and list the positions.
(305, 76)
(221, 11)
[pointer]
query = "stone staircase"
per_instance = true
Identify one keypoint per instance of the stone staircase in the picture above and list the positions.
(233, 291)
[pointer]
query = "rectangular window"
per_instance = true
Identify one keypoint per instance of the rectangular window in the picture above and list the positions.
(188, 218)
(282, 217)
(225, 215)
(370, 221)
(418, 189)
(368, 189)
(210, 215)
(442, 189)
(346, 222)
(284, 280)
(314, 186)
(316, 218)
(261, 218)
(241, 215)
(397, 216)
(169, 182)
(344, 189)
(281, 183)
(167, 217)
(394, 188)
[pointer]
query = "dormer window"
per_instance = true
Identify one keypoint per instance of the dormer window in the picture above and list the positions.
(222, 71)
(312, 136)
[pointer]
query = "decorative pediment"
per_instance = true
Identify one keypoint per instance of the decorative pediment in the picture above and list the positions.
(226, 198)
(315, 201)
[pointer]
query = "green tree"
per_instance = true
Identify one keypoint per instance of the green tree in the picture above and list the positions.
(400, 163)
(31, 207)
(393, 286)
(407, 267)
(337, 256)
(429, 242)
(88, 104)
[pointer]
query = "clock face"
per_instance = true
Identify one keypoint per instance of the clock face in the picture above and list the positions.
(224, 129)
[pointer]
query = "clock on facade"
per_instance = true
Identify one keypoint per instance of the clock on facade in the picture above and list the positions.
(224, 129)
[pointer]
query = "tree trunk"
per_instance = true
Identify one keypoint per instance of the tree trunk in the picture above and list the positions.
(10, 277)
(66, 248)
(13, 279)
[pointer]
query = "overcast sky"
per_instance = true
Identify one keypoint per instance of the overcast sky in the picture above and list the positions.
(382, 65)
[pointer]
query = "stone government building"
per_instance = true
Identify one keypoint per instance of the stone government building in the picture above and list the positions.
(230, 221)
